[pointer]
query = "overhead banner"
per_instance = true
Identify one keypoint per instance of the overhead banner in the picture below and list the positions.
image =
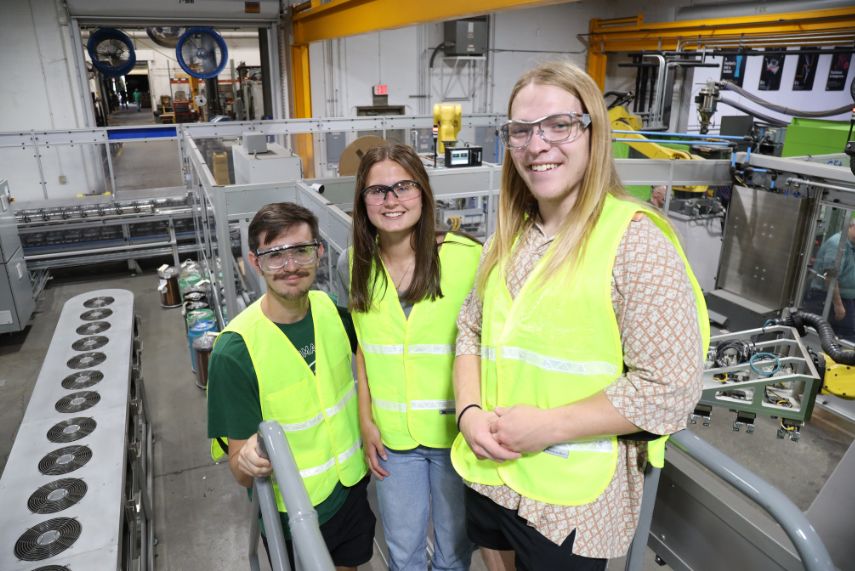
(805, 70)
(733, 68)
(770, 75)
(838, 71)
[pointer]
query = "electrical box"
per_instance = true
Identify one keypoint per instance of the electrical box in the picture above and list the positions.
(16, 289)
(255, 142)
(466, 37)
(276, 165)
(463, 157)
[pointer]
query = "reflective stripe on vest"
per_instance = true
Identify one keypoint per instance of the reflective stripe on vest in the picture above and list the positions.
(556, 343)
(317, 411)
(409, 360)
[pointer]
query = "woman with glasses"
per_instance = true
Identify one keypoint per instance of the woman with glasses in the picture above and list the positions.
(580, 345)
(406, 284)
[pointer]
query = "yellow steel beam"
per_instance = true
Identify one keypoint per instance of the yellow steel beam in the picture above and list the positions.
(610, 36)
(633, 34)
(341, 18)
(301, 84)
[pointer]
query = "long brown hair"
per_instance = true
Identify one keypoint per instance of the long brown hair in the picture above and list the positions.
(365, 273)
(518, 207)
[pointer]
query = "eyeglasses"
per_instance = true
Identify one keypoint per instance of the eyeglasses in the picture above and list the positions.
(403, 190)
(278, 257)
(554, 129)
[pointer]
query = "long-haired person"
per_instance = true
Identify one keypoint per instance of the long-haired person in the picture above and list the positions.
(406, 285)
(586, 324)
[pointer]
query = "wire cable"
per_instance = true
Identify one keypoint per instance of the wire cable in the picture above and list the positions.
(752, 363)
(780, 108)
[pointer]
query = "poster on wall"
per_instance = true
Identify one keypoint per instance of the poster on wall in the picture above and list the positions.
(770, 75)
(733, 68)
(838, 71)
(805, 70)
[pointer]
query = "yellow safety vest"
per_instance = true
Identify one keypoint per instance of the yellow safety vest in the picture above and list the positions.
(317, 411)
(556, 343)
(409, 360)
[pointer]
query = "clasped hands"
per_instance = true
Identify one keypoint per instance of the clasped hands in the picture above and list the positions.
(505, 433)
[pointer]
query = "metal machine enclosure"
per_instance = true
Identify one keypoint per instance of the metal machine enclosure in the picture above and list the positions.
(16, 289)
(761, 252)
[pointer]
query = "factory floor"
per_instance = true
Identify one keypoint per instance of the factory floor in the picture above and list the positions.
(202, 516)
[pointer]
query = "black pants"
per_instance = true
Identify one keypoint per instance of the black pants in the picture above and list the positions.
(494, 527)
(349, 534)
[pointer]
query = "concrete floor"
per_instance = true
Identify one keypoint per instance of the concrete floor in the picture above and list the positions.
(192, 493)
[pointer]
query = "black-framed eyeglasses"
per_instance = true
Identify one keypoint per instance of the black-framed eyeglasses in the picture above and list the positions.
(403, 190)
(278, 257)
(554, 129)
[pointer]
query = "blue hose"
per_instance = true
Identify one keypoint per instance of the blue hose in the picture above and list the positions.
(764, 355)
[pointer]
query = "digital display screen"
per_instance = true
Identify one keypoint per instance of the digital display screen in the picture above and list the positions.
(460, 157)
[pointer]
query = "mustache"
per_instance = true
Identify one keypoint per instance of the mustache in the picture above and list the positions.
(298, 273)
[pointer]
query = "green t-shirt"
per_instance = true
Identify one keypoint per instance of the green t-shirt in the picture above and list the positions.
(234, 406)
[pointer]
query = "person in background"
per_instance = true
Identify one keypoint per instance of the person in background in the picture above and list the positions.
(841, 316)
(564, 386)
(657, 195)
(405, 283)
(287, 358)
(137, 95)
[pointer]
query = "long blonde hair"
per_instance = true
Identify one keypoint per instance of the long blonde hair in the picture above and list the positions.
(518, 207)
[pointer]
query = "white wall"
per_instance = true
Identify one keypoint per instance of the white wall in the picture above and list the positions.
(344, 70)
(40, 91)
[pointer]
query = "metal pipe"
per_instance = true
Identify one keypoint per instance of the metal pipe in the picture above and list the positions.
(685, 135)
(311, 549)
(671, 141)
(635, 557)
(807, 542)
(272, 524)
(794, 180)
(96, 251)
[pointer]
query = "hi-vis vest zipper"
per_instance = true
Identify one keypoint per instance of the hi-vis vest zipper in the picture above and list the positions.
(409, 361)
(556, 343)
(317, 411)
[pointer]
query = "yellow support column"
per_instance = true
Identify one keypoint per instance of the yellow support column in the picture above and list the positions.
(303, 144)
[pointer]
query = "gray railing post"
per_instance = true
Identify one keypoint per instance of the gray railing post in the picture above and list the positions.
(310, 550)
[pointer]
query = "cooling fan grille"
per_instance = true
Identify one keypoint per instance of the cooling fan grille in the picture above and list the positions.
(76, 402)
(93, 328)
(47, 539)
(96, 314)
(57, 495)
(86, 360)
(71, 430)
(82, 380)
(100, 301)
(64, 460)
(90, 343)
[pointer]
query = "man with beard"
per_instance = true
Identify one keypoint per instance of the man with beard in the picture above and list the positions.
(287, 358)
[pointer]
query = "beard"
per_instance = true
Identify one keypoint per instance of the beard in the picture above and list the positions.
(289, 293)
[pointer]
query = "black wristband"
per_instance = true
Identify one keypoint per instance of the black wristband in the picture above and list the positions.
(462, 412)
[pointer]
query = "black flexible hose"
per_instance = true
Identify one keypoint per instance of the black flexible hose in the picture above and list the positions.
(436, 51)
(745, 109)
(780, 108)
(826, 335)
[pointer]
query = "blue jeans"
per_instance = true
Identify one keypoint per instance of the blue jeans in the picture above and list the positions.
(422, 483)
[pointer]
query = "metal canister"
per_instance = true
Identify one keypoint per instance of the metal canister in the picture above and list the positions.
(203, 347)
(197, 330)
(170, 295)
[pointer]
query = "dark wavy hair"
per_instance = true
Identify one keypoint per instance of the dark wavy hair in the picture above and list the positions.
(274, 219)
(365, 276)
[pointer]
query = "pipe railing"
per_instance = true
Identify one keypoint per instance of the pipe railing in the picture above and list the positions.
(310, 550)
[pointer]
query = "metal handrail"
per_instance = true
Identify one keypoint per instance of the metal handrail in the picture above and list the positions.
(310, 550)
(792, 520)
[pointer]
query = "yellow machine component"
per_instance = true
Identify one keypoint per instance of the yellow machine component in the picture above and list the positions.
(447, 117)
(621, 119)
(839, 379)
